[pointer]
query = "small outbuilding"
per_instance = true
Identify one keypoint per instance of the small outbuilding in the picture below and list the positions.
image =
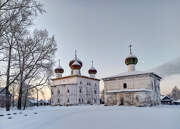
(166, 100)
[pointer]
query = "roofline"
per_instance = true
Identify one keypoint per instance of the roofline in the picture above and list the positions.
(71, 76)
(64, 84)
(104, 79)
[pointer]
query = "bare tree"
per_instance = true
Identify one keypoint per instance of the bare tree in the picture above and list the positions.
(35, 60)
(15, 17)
(175, 93)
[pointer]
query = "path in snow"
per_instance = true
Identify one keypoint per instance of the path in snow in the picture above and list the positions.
(95, 117)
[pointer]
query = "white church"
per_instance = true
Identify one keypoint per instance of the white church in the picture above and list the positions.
(75, 89)
(133, 87)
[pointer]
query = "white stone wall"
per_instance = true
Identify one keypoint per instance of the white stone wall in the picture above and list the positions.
(81, 91)
(133, 82)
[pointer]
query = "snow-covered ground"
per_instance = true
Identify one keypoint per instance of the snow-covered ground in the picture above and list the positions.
(93, 117)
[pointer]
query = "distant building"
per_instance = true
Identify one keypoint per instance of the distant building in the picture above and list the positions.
(43, 102)
(132, 87)
(176, 102)
(166, 100)
(75, 89)
(31, 102)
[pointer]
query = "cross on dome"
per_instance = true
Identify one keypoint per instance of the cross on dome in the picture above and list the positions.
(75, 54)
(130, 46)
(59, 62)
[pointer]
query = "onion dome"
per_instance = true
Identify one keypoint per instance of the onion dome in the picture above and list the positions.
(92, 70)
(76, 65)
(75, 59)
(131, 59)
(59, 69)
(72, 61)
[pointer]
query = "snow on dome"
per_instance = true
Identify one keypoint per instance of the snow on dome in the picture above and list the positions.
(76, 65)
(78, 60)
(75, 59)
(131, 59)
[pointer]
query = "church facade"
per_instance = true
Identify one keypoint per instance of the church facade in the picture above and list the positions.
(75, 89)
(133, 87)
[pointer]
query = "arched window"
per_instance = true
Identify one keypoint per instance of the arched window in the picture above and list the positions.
(58, 100)
(80, 90)
(79, 100)
(124, 85)
(68, 100)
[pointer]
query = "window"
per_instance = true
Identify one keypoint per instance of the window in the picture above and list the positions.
(81, 82)
(80, 90)
(58, 91)
(51, 92)
(95, 91)
(82, 100)
(124, 85)
(67, 90)
(79, 100)
(58, 100)
(68, 100)
(95, 84)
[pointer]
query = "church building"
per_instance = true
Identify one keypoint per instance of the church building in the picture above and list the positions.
(133, 87)
(75, 89)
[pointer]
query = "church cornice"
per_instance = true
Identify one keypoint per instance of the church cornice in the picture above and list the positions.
(72, 76)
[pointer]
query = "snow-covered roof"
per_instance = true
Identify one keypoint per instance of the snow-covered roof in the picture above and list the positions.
(162, 96)
(43, 101)
(32, 101)
(166, 98)
(131, 73)
(129, 90)
(177, 101)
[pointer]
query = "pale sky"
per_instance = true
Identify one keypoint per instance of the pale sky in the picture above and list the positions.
(100, 30)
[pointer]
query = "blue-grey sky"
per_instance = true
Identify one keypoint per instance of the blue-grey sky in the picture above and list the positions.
(100, 30)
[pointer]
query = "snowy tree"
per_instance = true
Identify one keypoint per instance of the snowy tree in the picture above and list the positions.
(15, 17)
(175, 93)
(34, 60)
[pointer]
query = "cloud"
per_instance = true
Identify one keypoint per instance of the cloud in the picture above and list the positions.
(170, 72)
(169, 68)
